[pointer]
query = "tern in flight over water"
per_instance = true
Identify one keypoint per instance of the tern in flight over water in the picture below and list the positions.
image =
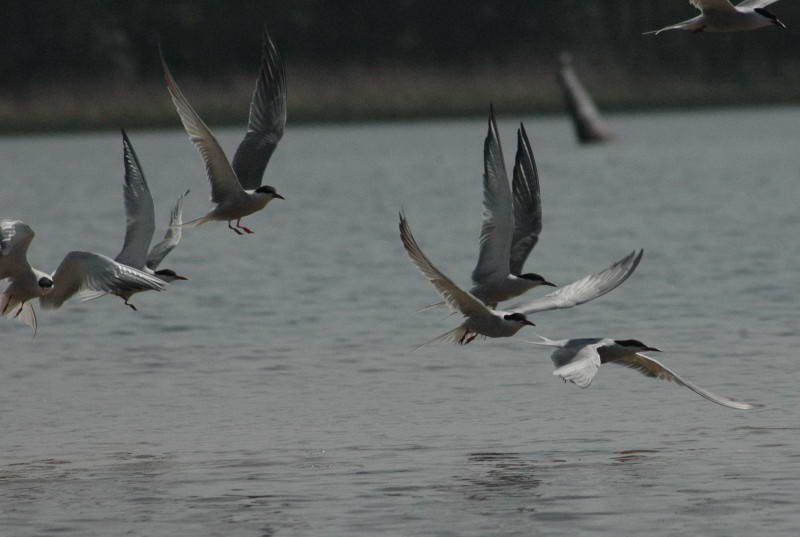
(88, 273)
(25, 282)
(93, 275)
(236, 189)
(577, 361)
(512, 222)
(482, 320)
(140, 226)
(723, 16)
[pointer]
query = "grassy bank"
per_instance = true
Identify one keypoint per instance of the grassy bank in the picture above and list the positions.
(389, 92)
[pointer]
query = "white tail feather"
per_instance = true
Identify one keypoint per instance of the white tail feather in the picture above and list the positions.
(13, 308)
(197, 221)
(453, 336)
(430, 307)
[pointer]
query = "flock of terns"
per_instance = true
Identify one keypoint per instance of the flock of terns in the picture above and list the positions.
(512, 222)
(236, 192)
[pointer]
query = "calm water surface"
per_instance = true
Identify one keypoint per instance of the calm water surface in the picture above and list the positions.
(276, 392)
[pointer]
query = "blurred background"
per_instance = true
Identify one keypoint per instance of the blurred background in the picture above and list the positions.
(89, 64)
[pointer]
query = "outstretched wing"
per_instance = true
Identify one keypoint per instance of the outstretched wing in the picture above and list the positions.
(88, 271)
(527, 203)
(171, 238)
(457, 299)
(498, 215)
(587, 288)
(15, 238)
(224, 183)
(139, 211)
(267, 118)
(655, 369)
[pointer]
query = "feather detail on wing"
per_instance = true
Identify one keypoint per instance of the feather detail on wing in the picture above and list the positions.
(224, 182)
(88, 271)
(267, 118)
(139, 210)
(171, 238)
(457, 299)
(527, 203)
(15, 238)
(587, 288)
(655, 369)
(498, 216)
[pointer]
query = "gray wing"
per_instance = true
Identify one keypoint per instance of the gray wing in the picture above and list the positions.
(267, 118)
(655, 369)
(498, 215)
(457, 299)
(80, 271)
(587, 288)
(15, 238)
(224, 183)
(527, 203)
(171, 238)
(139, 211)
(755, 4)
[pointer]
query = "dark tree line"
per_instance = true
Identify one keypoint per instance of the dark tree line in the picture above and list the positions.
(52, 40)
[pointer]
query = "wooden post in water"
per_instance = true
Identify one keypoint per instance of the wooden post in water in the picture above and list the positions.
(589, 126)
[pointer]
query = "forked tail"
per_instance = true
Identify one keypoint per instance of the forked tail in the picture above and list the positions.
(23, 311)
(196, 222)
(431, 306)
(453, 336)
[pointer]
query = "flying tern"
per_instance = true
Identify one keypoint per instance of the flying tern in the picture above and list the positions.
(25, 282)
(512, 222)
(88, 273)
(140, 226)
(577, 361)
(483, 320)
(723, 16)
(236, 189)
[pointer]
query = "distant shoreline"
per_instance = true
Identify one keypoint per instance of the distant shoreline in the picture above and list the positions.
(360, 94)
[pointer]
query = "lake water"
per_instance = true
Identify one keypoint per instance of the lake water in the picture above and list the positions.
(276, 393)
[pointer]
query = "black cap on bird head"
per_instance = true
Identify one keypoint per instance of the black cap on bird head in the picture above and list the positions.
(266, 189)
(169, 273)
(519, 317)
(635, 344)
(537, 279)
(45, 282)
